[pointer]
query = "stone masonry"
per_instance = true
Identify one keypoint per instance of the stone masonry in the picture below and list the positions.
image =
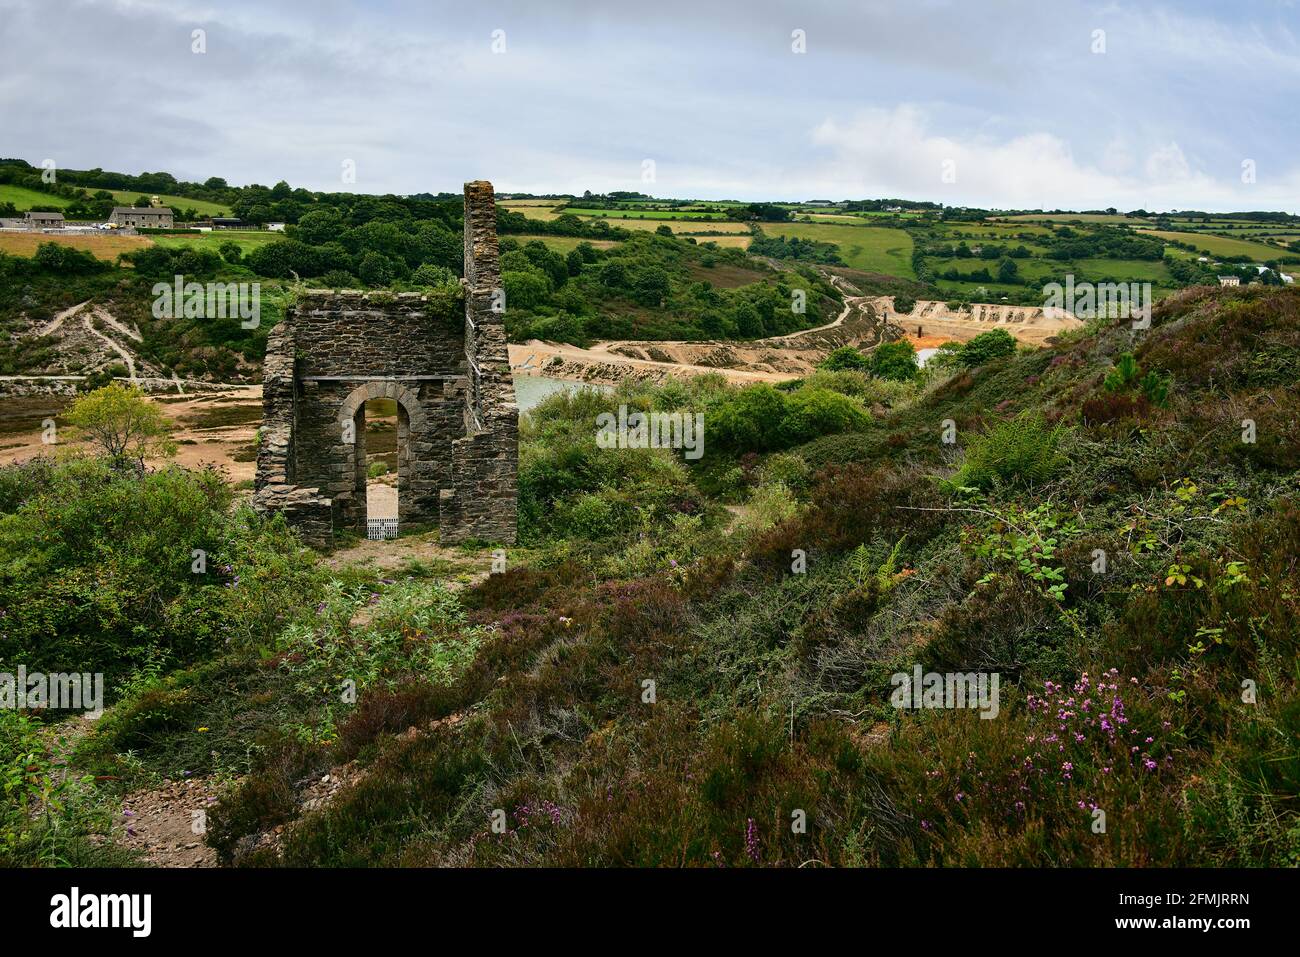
(458, 424)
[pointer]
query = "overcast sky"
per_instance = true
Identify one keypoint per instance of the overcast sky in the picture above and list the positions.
(1012, 100)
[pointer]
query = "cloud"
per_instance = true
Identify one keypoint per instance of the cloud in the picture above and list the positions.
(894, 152)
(713, 93)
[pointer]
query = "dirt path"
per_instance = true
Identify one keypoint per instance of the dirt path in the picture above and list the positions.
(112, 344)
(53, 325)
(396, 556)
(167, 823)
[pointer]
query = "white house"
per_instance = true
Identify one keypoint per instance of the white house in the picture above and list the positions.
(1229, 281)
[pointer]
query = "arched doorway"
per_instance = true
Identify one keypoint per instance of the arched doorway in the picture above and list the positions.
(380, 459)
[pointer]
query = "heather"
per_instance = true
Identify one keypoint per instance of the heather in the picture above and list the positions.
(689, 663)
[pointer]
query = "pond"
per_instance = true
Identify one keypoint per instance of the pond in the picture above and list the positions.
(532, 389)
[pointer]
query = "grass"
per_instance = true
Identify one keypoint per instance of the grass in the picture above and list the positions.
(1126, 270)
(105, 247)
(25, 199)
(127, 197)
(684, 227)
(741, 241)
(1112, 219)
(1221, 245)
(245, 240)
(532, 208)
(645, 214)
(869, 248)
(562, 244)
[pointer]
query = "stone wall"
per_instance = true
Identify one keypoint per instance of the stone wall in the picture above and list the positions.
(457, 418)
(480, 502)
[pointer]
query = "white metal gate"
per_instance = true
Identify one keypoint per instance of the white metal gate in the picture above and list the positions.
(381, 529)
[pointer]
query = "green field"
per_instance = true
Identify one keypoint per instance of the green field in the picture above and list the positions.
(643, 214)
(878, 249)
(246, 240)
(1125, 270)
(25, 199)
(562, 244)
(1043, 269)
(126, 197)
(1112, 219)
(1220, 245)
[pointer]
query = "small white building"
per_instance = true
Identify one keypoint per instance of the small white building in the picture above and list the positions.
(1229, 281)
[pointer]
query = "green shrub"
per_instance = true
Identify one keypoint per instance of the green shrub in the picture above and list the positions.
(1127, 375)
(895, 361)
(750, 420)
(108, 571)
(787, 469)
(986, 347)
(845, 357)
(589, 516)
(811, 413)
(1020, 452)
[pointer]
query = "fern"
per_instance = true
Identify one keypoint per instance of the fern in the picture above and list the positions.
(1022, 451)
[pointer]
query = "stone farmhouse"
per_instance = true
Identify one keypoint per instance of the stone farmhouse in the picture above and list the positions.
(34, 220)
(158, 217)
(458, 423)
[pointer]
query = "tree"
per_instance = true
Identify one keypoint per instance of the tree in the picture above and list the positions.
(431, 275)
(845, 357)
(525, 289)
(230, 251)
(59, 258)
(375, 269)
(1008, 271)
(895, 361)
(124, 423)
(986, 346)
(651, 287)
(573, 262)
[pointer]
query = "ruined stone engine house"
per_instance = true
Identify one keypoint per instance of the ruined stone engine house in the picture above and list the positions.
(458, 424)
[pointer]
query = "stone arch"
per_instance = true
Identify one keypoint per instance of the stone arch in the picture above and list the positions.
(383, 390)
(412, 420)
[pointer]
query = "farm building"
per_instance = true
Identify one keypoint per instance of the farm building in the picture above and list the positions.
(41, 220)
(155, 216)
(1229, 281)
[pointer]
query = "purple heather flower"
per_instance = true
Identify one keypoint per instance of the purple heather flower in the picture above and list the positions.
(751, 839)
